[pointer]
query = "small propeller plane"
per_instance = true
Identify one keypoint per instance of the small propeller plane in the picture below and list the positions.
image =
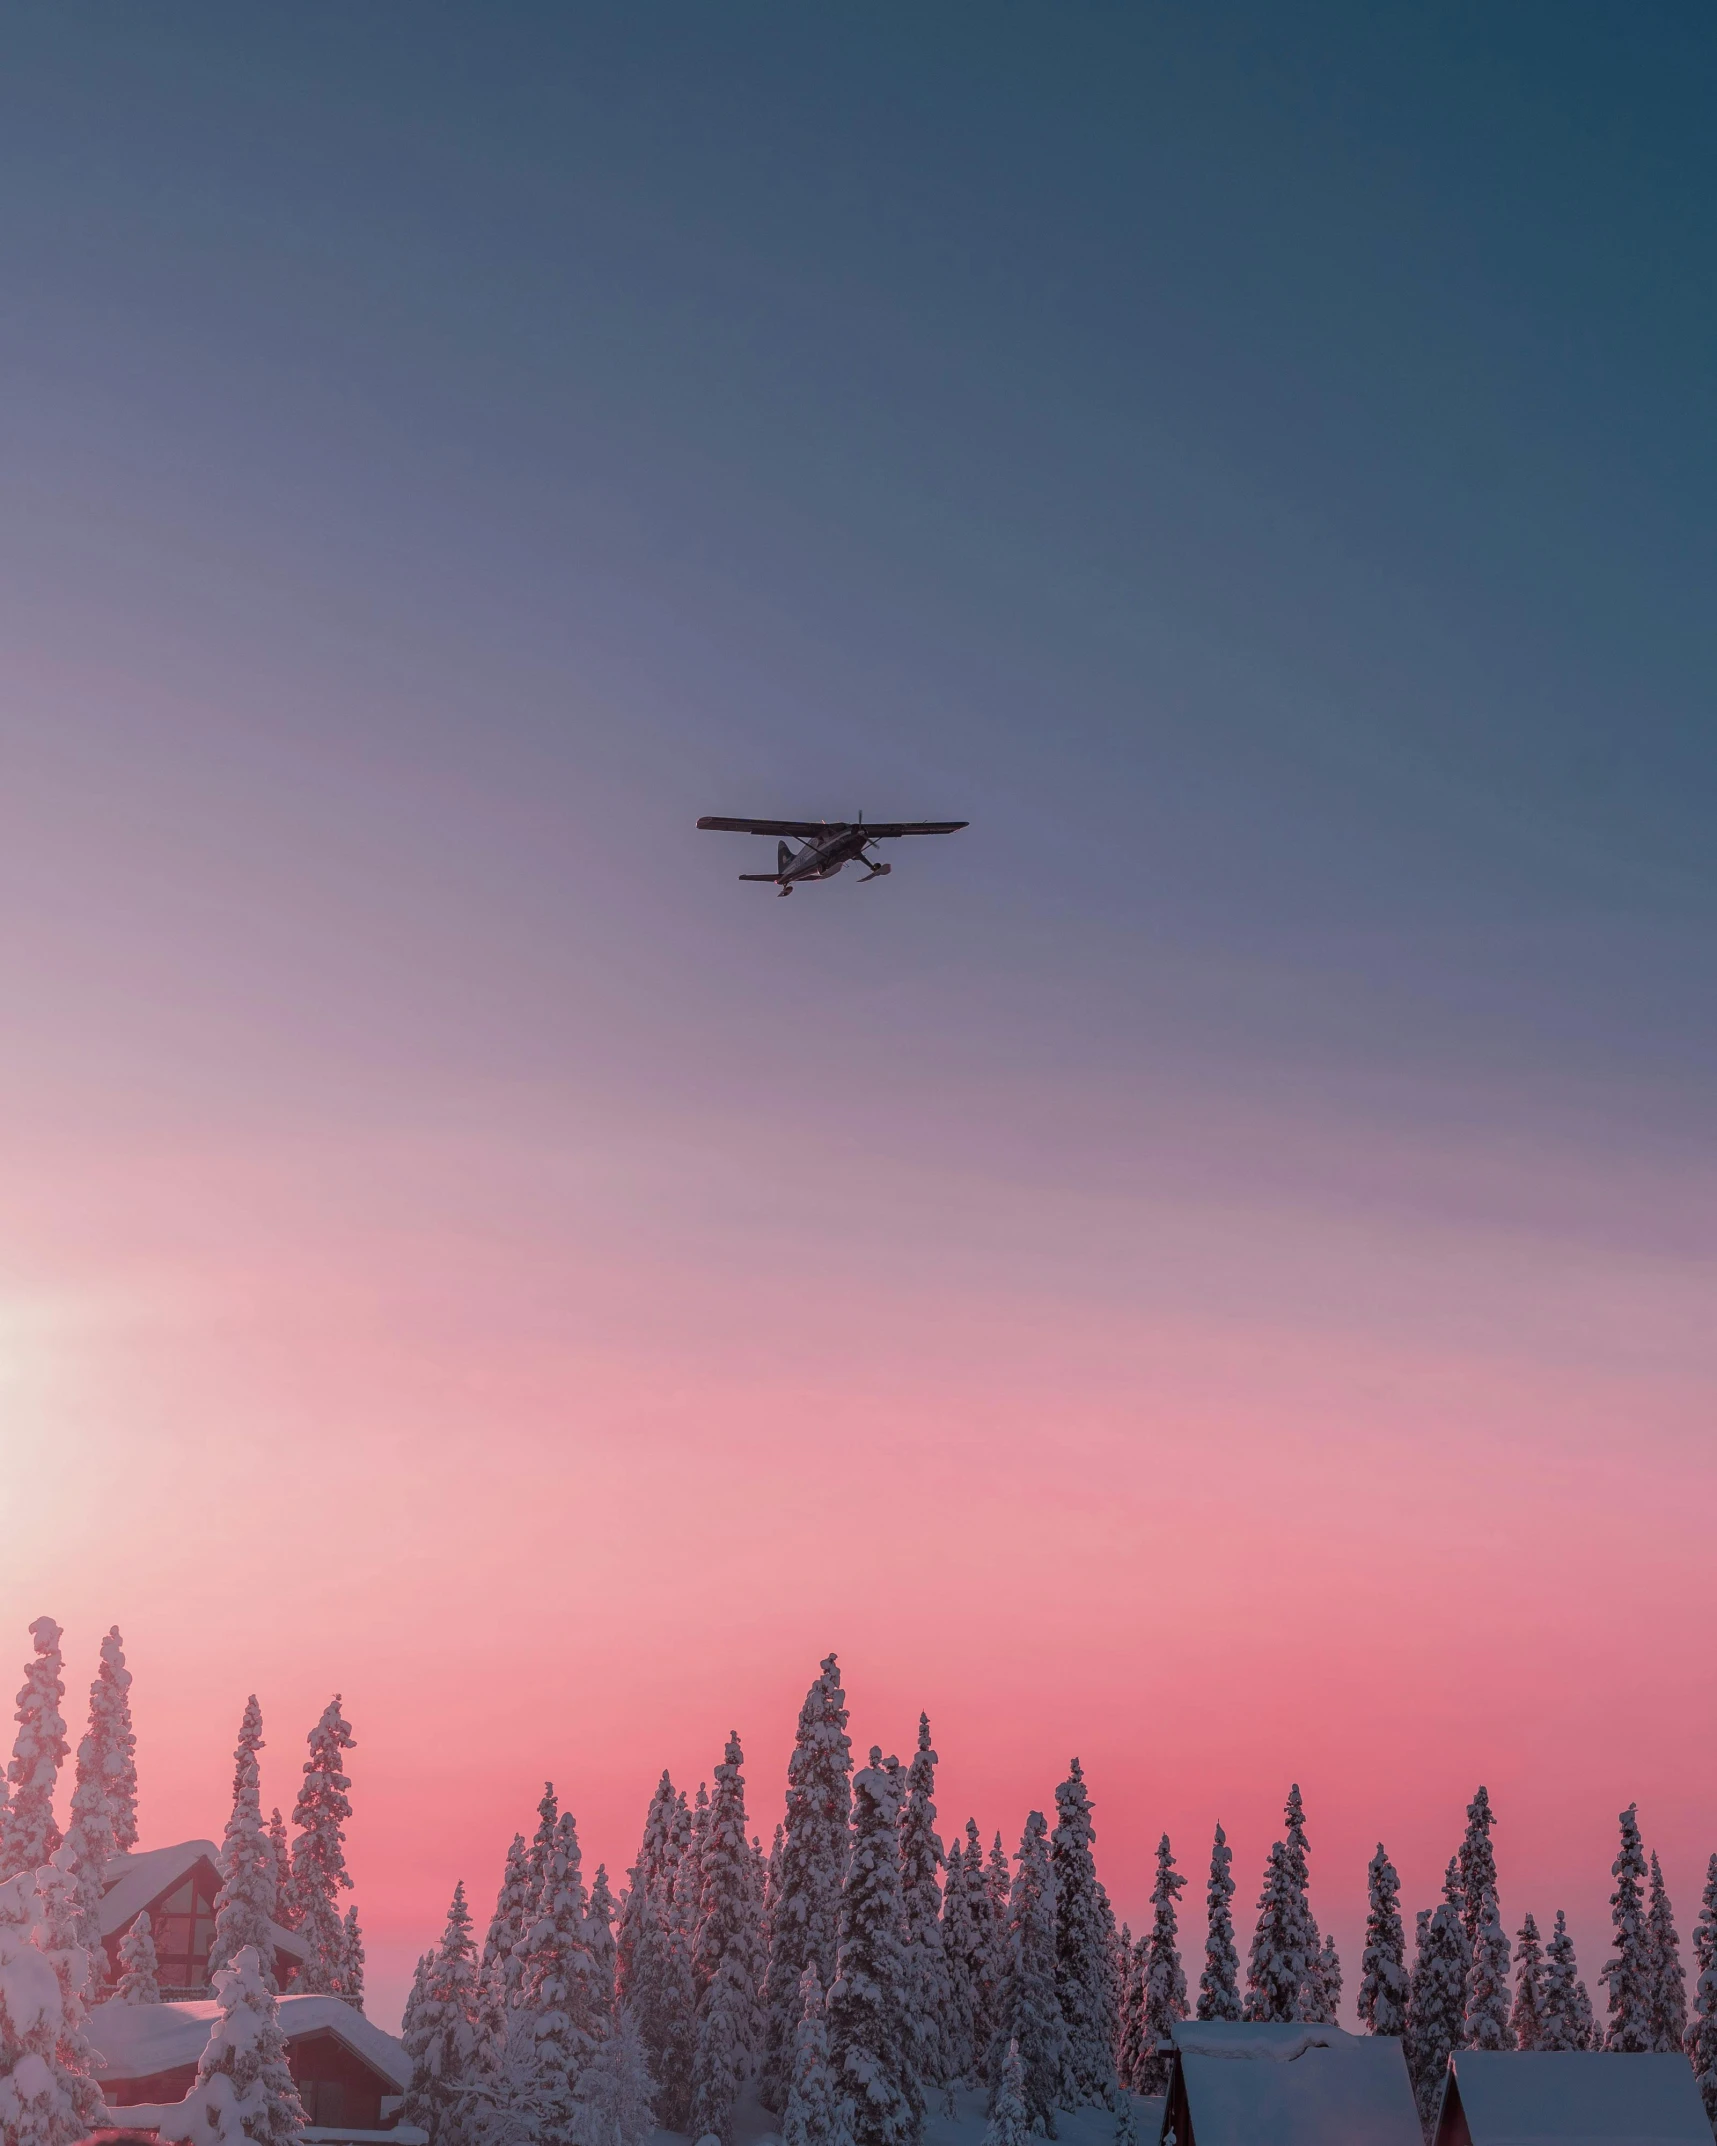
(828, 844)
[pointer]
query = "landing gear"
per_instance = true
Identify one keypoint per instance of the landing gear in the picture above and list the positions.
(783, 892)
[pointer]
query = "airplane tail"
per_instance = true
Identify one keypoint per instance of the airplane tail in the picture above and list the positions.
(783, 855)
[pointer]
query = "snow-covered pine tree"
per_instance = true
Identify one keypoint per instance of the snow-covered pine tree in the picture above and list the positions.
(878, 2103)
(32, 1834)
(725, 1955)
(1009, 2123)
(1298, 1851)
(1589, 2025)
(960, 1957)
(541, 1852)
(1329, 1981)
(1383, 1983)
(1030, 2011)
(139, 1970)
(440, 2032)
(1477, 1863)
(285, 1913)
(319, 1873)
(1126, 2131)
(1132, 2037)
(242, 2073)
(925, 1968)
(688, 1871)
(244, 1906)
(635, 1931)
(1436, 2006)
(615, 2098)
(1628, 1972)
(502, 1959)
(809, 2118)
(1164, 1990)
(113, 1746)
(554, 2002)
(351, 1961)
(47, 2094)
(602, 1947)
(772, 1881)
(1526, 2019)
(1082, 1969)
(1702, 2033)
(89, 1839)
(1276, 1967)
(1487, 2006)
(1668, 1977)
(1559, 2022)
(991, 1883)
(1219, 1984)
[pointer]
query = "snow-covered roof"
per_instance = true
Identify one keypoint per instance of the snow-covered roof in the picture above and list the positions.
(131, 1882)
(1250, 2084)
(138, 2040)
(1534, 2097)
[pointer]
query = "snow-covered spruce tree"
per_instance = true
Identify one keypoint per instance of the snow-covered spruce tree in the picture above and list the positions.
(1589, 2025)
(1329, 1980)
(1082, 1970)
(1383, 1967)
(614, 2104)
(1702, 2033)
(319, 1873)
(1132, 2037)
(89, 1841)
(555, 1999)
(440, 2031)
(878, 2103)
(635, 1936)
(772, 1882)
(960, 1960)
(1487, 2006)
(926, 1968)
(1526, 2019)
(47, 2094)
(1164, 1991)
(1559, 2022)
(725, 1955)
(809, 2118)
(1030, 2011)
(1276, 1968)
(502, 1959)
(351, 1961)
(242, 2073)
(541, 1851)
(38, 1752)
(603, 1952)
(1436, 2008)
(244, 1906)
(1477, 1866)
(139, 1970)
(112, 1755)
(1628, 1972)
(1298, 1850)
(1126, 2131)
(989, 1949)
(1219, 1984)
(278, 1846)
(688, 1871)
(1009, 2124)
(1668, 1977)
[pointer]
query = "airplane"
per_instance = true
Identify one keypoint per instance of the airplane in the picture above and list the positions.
(829, 844)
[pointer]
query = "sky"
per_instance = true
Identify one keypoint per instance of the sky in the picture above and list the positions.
(1211, 1269)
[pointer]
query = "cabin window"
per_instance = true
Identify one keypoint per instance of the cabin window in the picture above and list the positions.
(184, 1928)
(324, 2101)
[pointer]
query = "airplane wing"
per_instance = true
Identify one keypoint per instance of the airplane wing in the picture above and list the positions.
(916, 827)
(803, 828)
(807, 828)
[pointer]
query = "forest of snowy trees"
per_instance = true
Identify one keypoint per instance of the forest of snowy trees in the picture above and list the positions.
(853, 1977)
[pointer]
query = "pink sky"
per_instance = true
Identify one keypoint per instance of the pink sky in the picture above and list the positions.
(554, 1473)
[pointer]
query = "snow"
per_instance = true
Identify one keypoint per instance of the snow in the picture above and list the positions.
(754, 2126)
(1570, 2096)
(1289, 2083)
(138, 2040)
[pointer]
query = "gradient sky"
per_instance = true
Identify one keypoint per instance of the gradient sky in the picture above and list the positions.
(1213, 1268)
